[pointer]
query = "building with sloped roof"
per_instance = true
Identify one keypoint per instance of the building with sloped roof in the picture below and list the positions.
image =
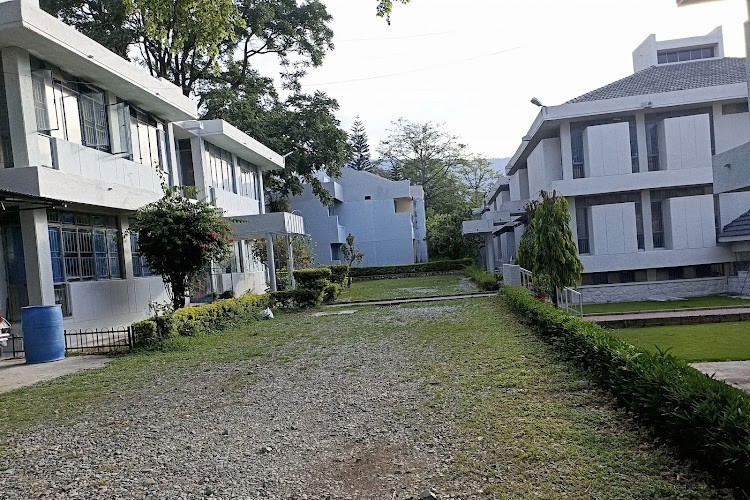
(634, 160)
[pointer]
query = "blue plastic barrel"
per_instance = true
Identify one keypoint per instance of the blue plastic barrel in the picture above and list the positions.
(43, 338)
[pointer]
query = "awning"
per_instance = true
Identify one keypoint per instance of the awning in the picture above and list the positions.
(254, 227)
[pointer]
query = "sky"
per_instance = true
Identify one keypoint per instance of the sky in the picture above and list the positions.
(473, 65)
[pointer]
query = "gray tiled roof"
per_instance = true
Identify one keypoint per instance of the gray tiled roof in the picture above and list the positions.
(671, 78)
(738, 227)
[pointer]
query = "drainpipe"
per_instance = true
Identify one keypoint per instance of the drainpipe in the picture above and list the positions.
(271, 262)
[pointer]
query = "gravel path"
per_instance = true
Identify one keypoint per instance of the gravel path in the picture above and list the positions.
(338, 422)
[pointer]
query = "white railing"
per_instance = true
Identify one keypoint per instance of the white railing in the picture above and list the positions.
(571, 301)
(526, 278)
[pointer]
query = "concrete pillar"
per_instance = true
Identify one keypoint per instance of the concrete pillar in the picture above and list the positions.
(747, 50)
(511, 275)
(21, 114)
(36, 251)
(290, 261)
(489, 252)
(271, 262)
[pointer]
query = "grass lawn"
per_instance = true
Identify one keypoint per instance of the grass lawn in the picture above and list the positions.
(424, 286)
(500, 415)
(651, 305)
(708, 342)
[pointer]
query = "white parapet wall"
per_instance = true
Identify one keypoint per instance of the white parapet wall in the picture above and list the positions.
(659, 290)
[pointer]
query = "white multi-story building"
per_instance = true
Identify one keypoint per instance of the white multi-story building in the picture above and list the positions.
(634, 160)
(88, 138)
(386, 218)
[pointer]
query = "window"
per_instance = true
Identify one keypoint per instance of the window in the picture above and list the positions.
(83, 247)
(94, 120)
(6, 153)
(627, 276)
(676, 273)
(657, 224)
(682, 55)
(140, 266)
(62, 298)
(582, 229)
(222, 168)
(185, 157)
(734, 108)
(639, 226)
(146, 139)
(652, 145)
(249, 180)
(634, 147)
(39, 86)
(576, 145)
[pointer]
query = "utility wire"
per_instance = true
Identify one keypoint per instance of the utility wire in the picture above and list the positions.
(417, 70)
(403, 37)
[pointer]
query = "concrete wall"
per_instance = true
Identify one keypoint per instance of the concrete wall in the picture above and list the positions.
(607, 150)
(685, 142)
(730, 130)
(613, 230)
(653, 290)
(732, 205)
(689, 222)
(101, 304)
(544, 165)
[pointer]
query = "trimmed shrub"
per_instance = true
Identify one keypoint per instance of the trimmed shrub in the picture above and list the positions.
(331, 292)
(423, 267)
(302, 298)
(315, 278)
(481, 278)
(706, 419)
(145, 332)
(338, 274)
(208, 318)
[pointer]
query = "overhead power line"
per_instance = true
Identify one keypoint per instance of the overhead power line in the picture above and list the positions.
(416, 70)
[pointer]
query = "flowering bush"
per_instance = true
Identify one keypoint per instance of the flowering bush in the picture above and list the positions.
(179, 238)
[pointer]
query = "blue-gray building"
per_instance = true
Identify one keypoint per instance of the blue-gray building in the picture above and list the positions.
(387, 219)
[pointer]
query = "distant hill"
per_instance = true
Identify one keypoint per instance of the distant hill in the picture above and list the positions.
(499, 164)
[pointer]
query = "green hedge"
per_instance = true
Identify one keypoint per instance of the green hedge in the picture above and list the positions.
(481, 278)
(707, 420)
(202, 319)
(424, 267)
(338, 274)
(299, 298)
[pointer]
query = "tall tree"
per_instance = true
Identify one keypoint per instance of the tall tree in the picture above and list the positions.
(193, 42)
(549, 249)
(360, 147)
(478, 176)
(425, 154)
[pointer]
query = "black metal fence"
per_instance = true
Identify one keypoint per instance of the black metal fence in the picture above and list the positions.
(86, 341)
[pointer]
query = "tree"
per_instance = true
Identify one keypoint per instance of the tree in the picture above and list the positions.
(444, 235)
(192, 42)
(180, 238)
(360, 147)
(385, 7)
(424, 154)
(478, 176)
(351, 254)
(550, 250)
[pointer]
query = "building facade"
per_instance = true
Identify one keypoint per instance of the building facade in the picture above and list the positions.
(634, 160)
(86, 138)
(387, 219)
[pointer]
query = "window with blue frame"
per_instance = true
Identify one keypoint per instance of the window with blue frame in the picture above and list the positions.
(140, 266)
(83, 247)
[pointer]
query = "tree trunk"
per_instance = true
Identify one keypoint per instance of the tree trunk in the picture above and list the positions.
(178, 293)
(554, 297)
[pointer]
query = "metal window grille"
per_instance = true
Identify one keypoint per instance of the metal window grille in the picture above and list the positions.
(582, 229)
(94, 120)
(39, 90)
(62, 298)
(80, 249)
(639, 226)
